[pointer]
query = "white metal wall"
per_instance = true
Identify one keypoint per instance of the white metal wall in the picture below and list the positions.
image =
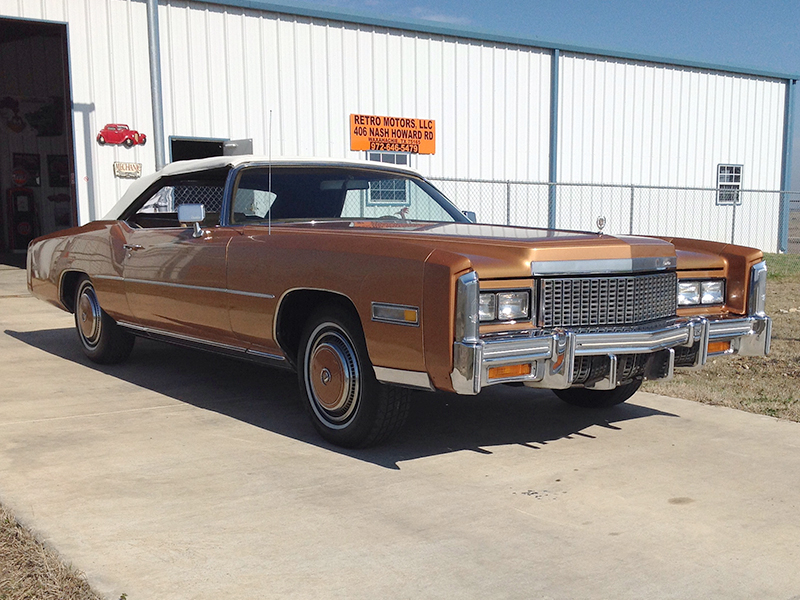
(224, 69)
(627, 122)
(640, 123)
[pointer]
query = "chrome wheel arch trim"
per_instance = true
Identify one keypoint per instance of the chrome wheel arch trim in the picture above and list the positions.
(279, 305)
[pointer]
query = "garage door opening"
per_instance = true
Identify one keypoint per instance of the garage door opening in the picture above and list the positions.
(36, 146)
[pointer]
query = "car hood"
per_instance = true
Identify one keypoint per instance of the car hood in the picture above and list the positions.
(498, 251)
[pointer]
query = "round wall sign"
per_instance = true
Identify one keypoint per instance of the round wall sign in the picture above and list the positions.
(19, 176)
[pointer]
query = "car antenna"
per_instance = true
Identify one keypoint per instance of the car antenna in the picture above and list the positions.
(269, 177)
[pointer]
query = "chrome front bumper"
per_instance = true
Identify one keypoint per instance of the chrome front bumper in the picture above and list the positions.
(551, 354)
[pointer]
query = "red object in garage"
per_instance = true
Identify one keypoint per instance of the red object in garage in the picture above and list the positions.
(22, 222)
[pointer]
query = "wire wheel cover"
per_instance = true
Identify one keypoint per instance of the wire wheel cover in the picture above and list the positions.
(332, 376)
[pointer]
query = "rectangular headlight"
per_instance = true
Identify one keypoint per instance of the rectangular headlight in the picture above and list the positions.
(487, 309)
(688, 293)
(712, 292)
(513, 305)
(505, 306)
(697, 293)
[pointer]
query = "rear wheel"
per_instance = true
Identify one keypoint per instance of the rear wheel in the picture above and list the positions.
(347, 405)
(587, 398)
(102, 340)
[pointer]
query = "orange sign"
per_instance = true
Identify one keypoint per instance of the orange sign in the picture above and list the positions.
(392, 134)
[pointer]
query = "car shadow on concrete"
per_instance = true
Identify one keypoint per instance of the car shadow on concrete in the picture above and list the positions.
(438, 423)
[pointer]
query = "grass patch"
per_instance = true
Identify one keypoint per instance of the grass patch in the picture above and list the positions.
(783, 267)
(31, 571)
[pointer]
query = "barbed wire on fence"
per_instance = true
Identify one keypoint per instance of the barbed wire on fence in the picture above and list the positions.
(766, 219)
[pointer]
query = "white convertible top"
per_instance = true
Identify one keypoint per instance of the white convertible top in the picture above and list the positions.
(216, 162)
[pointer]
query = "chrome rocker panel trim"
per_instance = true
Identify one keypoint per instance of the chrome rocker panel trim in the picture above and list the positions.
(188, 341)
(552, 353)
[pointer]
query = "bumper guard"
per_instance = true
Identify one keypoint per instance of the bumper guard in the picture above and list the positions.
(552, 354)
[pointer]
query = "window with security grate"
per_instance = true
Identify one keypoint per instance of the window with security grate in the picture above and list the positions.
(729, 183)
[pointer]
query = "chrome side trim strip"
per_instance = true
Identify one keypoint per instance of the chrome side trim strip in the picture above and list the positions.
(267, 355)
(184, 286)
(180, 336)
(602, 266)
(251, 294)
(412, 379)
(239, 350)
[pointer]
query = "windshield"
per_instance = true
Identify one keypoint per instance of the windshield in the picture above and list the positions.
(305, 193)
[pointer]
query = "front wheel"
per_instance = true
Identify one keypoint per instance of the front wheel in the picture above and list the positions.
(102, 340)
(347, 405)
(587, 398)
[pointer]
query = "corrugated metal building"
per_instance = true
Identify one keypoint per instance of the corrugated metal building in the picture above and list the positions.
(504, 109)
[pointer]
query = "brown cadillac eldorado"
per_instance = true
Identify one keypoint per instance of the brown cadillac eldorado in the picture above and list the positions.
(369, 283)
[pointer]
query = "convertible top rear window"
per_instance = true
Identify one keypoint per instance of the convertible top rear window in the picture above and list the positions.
(163, 198)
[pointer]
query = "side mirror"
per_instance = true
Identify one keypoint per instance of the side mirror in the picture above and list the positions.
(193, 214)
(470, 215)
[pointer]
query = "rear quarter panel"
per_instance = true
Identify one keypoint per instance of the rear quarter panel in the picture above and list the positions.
(94, 249)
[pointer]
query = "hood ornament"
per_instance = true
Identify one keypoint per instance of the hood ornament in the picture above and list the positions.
(601, 222)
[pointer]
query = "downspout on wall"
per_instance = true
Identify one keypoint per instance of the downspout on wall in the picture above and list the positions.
(553, 168)
(154, 50)
(786, 165)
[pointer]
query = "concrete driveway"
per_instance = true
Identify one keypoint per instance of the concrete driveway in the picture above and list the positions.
(183, 475)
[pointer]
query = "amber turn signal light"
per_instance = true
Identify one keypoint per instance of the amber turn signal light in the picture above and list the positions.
(717, 347)
(509, 371)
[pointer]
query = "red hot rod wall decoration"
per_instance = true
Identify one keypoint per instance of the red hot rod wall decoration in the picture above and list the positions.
(117, 133)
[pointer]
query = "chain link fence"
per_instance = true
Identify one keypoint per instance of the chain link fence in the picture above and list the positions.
(747, 217)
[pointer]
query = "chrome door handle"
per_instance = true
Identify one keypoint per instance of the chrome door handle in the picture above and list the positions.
(132, 247)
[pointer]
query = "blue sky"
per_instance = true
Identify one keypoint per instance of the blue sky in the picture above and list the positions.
(755, 34)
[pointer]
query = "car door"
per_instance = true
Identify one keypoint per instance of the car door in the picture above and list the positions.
(175, 281)
(113, 135)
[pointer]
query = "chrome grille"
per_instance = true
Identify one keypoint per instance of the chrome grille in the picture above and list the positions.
(613, 300)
